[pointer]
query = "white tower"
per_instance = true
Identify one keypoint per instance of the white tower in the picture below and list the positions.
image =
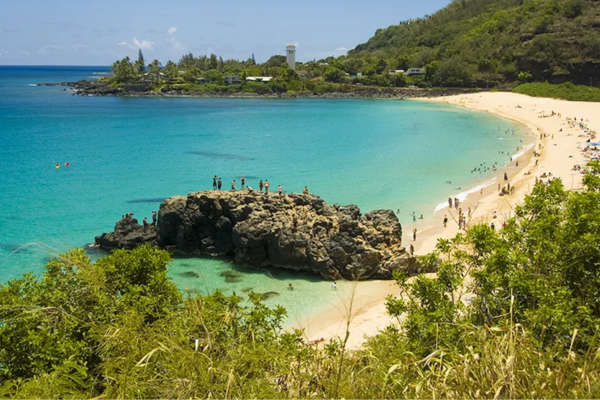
(291, 56)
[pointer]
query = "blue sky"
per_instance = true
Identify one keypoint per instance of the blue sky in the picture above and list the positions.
(86, 32)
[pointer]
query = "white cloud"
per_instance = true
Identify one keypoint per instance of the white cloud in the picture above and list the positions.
(123, 43)
(26, 53)
(143, 44)
(340, 51)
(3, 51)
(171, 30)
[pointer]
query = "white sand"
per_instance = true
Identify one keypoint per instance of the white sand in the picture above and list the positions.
(558, 155)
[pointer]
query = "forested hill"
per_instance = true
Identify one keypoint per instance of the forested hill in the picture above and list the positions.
(479, 42)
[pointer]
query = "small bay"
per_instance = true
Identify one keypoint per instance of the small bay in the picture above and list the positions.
(126, 154)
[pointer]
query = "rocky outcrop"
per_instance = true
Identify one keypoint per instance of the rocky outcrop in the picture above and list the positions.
(295, 231)
(144, 89)
(128, 234)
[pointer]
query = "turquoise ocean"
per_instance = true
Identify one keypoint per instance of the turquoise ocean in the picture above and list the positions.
(127, 154)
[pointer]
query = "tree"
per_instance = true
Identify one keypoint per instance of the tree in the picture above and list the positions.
(123, 70)
(253, 59)
(214, 62)
(140, 64)
(171, 70)
(332, 74)
(154, 67)
(276, 61)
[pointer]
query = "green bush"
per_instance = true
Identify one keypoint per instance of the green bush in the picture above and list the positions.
(566, 91)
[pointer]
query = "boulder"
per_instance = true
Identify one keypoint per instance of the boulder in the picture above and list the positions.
(296, 231)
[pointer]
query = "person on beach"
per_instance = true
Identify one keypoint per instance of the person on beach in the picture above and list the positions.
(445, 221)
(333, 286)
(469, 212)
(421, 217)
(495, 214)
(154, 217)
(243, 181)
(412, 250)
(219, 183)
(145, 222)
(267, 186)
(260, 185)
(415, 234)
(449, 202)
(233, 185)
(493, 226)
(305, 191)
(481, 191)
(505, 176)
(290, 287)
(215, 182)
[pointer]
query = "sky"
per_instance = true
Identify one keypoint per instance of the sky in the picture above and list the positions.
(85, 32)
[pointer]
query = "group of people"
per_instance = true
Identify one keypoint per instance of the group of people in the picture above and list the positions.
(218, 184)
(129, 217)
(57, 166)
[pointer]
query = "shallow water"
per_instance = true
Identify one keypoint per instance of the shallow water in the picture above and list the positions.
(127, 154)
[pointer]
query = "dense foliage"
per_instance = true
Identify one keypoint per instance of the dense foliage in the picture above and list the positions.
(566, 91)
(512, 313)
(481, 42)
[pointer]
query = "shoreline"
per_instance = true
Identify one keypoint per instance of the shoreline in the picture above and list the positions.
(559, 152)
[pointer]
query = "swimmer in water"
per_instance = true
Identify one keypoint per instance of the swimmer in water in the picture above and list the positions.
(67, 164)
(57, 165)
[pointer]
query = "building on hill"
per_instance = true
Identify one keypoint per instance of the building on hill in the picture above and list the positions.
(415, 71)
(259, 78)
(396, 71)
(232, 80)
(291, 56)
(203, 81)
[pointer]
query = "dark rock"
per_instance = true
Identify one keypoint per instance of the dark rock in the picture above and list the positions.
(258, 230)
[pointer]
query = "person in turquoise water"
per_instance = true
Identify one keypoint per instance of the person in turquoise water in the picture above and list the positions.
(57, 165)
(243, 181)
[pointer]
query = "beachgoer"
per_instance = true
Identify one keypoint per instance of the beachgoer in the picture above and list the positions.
(295, 220)
(481, 191)
(415, 234)
(495, 215)
(219, 183)
(67, 164)
(267, 186)
(260, 185)
(154, 217)
(290, 287)
(449, 202)
(505, 176)
(57, 165)
(145, 222)
(243, 181)
(469, 212)
(233, 185)
(280, 190)
(414, 217)
(445, 220)
(412, 250)
(493, 226)
(305, 191)
(334, 286)
(421, 217)
(215, 182)
(498, 187)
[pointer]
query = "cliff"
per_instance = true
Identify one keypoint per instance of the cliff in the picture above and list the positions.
(296, 231)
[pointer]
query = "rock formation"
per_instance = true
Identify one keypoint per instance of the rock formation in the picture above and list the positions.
(295, 231)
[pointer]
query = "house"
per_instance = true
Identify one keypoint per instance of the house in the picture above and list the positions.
(396, 71)
(359, 74)
(259, 78)
(415, 71)
(232, 80)
(202, 81)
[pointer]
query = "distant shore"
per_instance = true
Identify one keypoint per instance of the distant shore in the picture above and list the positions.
(559, 152)
(96, 88)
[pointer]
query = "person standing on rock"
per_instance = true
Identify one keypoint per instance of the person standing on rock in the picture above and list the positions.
(295, 220)
(243, 180)
(219, 183)
(145, 222)
(267, 186)
(154, 217)
(233, 185)
(280, 190)
(260, 185)
(305, 191)
(215, 182)
(412, 250)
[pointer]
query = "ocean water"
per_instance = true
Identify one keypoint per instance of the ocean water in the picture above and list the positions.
(126, 154)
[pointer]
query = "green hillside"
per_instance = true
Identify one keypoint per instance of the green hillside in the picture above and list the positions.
(487, 42)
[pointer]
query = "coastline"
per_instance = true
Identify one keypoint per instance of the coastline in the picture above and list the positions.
(559, 153)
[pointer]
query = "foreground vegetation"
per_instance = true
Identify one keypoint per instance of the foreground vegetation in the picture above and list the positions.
(524, 325)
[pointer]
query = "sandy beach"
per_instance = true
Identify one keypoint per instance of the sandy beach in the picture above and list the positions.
(559, 145)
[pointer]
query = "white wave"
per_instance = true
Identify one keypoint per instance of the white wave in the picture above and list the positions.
(33, 84)
(462, 196)
(520, 153)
